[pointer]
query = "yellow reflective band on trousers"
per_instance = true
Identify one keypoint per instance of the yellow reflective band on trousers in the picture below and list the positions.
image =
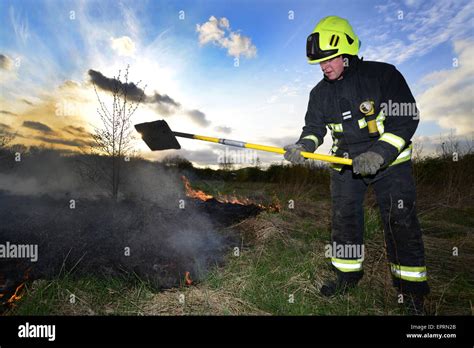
(412, 274)
(347, 265)
(362, 123)
(393, 140)
(313, 138)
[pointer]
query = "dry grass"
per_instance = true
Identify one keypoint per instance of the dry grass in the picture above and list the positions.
(283, 254)
(258, 230)
(452, 292)
(199, 300)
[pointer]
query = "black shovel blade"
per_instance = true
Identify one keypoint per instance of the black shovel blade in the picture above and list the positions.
(157, 135)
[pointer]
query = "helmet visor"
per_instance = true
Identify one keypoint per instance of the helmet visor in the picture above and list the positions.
(313, 50)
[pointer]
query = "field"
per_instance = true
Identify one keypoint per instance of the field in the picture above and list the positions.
(280, 263)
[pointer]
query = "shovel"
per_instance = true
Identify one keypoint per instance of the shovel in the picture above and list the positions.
(158, 136)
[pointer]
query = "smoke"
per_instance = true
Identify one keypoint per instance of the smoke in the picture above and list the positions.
(154, 232)
(45, 172)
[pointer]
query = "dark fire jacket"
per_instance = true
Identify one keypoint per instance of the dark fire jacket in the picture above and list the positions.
(336, 105)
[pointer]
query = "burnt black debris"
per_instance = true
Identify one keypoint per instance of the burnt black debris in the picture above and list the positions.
(225, 214)
(106, 238)
(61, 203)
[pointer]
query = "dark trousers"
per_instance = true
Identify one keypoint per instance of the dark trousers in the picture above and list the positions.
(396, 195)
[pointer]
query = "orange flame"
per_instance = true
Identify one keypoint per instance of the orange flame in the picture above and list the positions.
(235, 200)
(187, 279)
(198, 194)
(18, 291)
(194, 193)
(16, 296)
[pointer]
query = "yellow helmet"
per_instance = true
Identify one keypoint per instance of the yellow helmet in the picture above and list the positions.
(331, 37)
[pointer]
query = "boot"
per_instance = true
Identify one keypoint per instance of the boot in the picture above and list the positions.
(341, 285)
(414, 294)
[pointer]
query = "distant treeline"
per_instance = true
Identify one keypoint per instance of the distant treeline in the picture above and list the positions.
(448, 176)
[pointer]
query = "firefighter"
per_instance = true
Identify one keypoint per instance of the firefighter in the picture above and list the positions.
(372, 115)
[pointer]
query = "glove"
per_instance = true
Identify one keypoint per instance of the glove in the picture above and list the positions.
(367, 163)
(293, 153)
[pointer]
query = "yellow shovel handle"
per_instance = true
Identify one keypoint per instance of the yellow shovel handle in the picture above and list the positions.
(315, 156)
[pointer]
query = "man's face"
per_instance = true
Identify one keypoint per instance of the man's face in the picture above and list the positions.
(333, 68)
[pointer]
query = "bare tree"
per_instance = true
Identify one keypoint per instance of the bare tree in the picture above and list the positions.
(449, 145)
(226, 164)
(417, 151)
(5, 139)
(114, 138)
(469, 145)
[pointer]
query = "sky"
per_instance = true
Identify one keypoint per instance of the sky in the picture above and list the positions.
(231, 69)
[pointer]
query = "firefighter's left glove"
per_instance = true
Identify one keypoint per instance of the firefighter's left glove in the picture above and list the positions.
(293, 153)
(367, 163)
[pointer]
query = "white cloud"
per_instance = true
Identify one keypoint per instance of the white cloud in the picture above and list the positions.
(20, 25)
(124, 46)
(412, 3)
(130, 21)
(449, 99)
(424, 26)
(291, 89)
(237, 44)
(431, 145)
(218, 32)
(210, 31)
(224, 22)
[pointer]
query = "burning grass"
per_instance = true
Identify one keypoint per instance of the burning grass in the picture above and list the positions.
(280, 265)
(162, 246)
(228, 199)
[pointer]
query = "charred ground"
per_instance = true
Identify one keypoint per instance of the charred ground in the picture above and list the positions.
(281, 251)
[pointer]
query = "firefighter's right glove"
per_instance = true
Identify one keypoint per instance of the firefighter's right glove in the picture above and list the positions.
(367, 163)
(293, 153)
